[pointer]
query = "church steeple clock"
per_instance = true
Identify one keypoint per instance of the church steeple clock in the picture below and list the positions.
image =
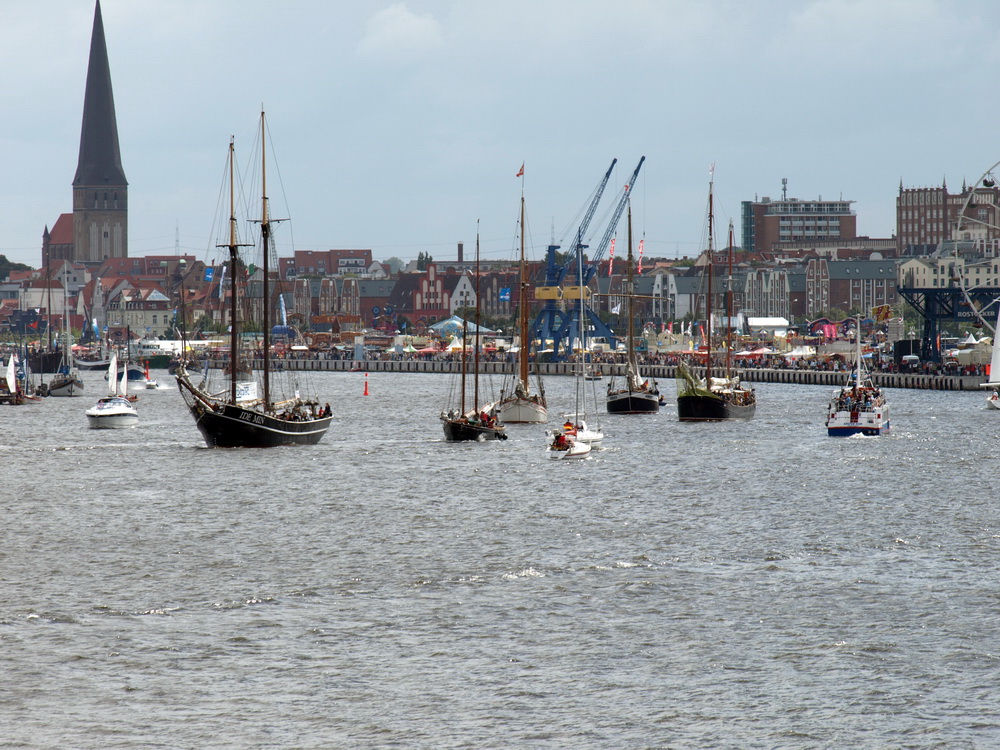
(100, 190)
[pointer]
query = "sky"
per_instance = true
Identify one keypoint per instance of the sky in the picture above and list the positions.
(398, 125)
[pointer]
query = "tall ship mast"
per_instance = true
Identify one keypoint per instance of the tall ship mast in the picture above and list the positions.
(238, 415)
(713, 399)
(518, 404)
(635, 395)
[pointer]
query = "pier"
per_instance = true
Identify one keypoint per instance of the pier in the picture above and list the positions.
(829, 378)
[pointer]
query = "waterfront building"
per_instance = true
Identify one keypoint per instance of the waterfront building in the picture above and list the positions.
(326, 263)
(928, 217)
(767, 222)
(949, 271)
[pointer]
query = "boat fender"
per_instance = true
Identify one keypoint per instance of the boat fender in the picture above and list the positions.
(502, 436)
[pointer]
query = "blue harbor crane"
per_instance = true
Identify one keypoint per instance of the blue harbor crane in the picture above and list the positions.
(557, 324)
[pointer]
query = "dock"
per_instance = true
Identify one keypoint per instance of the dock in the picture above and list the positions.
(829, 378)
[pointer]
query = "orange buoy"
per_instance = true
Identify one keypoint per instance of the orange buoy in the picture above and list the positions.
(366, 384)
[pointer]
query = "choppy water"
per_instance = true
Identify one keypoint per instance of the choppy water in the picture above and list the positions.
(753, 585)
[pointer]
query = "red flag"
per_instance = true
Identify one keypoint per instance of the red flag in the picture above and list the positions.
(611, 257)
(639, 269)
(520, 172)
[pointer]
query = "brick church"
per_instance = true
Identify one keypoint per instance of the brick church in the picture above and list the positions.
(98, 227)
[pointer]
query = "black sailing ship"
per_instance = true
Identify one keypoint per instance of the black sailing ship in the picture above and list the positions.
(635, 396)
(481, 422)
(239, 416)
(714, 399)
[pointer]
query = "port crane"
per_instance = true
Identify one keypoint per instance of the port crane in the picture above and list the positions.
(552, 322)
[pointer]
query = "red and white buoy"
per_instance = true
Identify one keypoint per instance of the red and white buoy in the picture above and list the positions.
(366, 385)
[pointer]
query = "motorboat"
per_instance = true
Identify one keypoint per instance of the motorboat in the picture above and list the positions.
(112, 412)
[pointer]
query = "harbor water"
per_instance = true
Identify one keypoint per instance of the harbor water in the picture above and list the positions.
(727, 585)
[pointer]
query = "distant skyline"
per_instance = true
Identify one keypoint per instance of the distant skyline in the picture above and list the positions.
(396, 125)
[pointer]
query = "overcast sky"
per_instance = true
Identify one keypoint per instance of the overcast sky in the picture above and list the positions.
(396, 125)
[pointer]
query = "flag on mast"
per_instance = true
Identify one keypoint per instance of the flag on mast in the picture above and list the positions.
(520, 172)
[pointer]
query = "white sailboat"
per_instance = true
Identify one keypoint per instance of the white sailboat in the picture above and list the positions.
(517, 402)
(576, 423)
(113, 411)
(565, 445)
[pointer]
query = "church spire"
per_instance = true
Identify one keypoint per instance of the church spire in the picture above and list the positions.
(100, 162)
(100, 190)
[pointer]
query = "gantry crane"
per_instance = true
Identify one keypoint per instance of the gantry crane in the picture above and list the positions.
(555, 323)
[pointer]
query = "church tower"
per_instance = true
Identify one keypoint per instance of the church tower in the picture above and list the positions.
(100, 190)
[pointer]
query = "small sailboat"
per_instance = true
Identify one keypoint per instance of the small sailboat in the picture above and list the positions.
(114, 411)
(480, 422)
(859, 406)
(67, 380)
(565, 445)
(576, 427)
(518, 404)
(240, 415)
(713, 399)
(635, 396)
(10, 389)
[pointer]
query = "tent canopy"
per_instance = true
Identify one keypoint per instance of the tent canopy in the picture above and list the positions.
(453, 326)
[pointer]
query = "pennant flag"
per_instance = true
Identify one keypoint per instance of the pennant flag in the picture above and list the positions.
(520, 172)
(611, 257)
(616, 309)
(639, 269)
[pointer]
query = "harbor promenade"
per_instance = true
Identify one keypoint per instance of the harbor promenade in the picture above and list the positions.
(830, 378)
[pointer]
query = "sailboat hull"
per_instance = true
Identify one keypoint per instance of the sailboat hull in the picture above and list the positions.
(231, 426)
(460, 431)
(522, 411)
(633, 402)
(66, 386)
(90, 364)
(703, 408)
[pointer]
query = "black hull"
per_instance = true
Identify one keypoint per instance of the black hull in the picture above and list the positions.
(633, 402)
(700, 408)
(456, 431)
(236, 427)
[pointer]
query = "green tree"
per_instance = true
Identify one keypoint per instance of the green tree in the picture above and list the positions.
(6, 266)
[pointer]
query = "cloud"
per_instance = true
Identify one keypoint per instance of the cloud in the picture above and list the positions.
(397, 34)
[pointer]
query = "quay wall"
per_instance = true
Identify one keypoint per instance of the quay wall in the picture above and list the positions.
(660, 372)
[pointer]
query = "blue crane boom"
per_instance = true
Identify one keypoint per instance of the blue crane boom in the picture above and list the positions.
(558, 325)
(550, 318)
